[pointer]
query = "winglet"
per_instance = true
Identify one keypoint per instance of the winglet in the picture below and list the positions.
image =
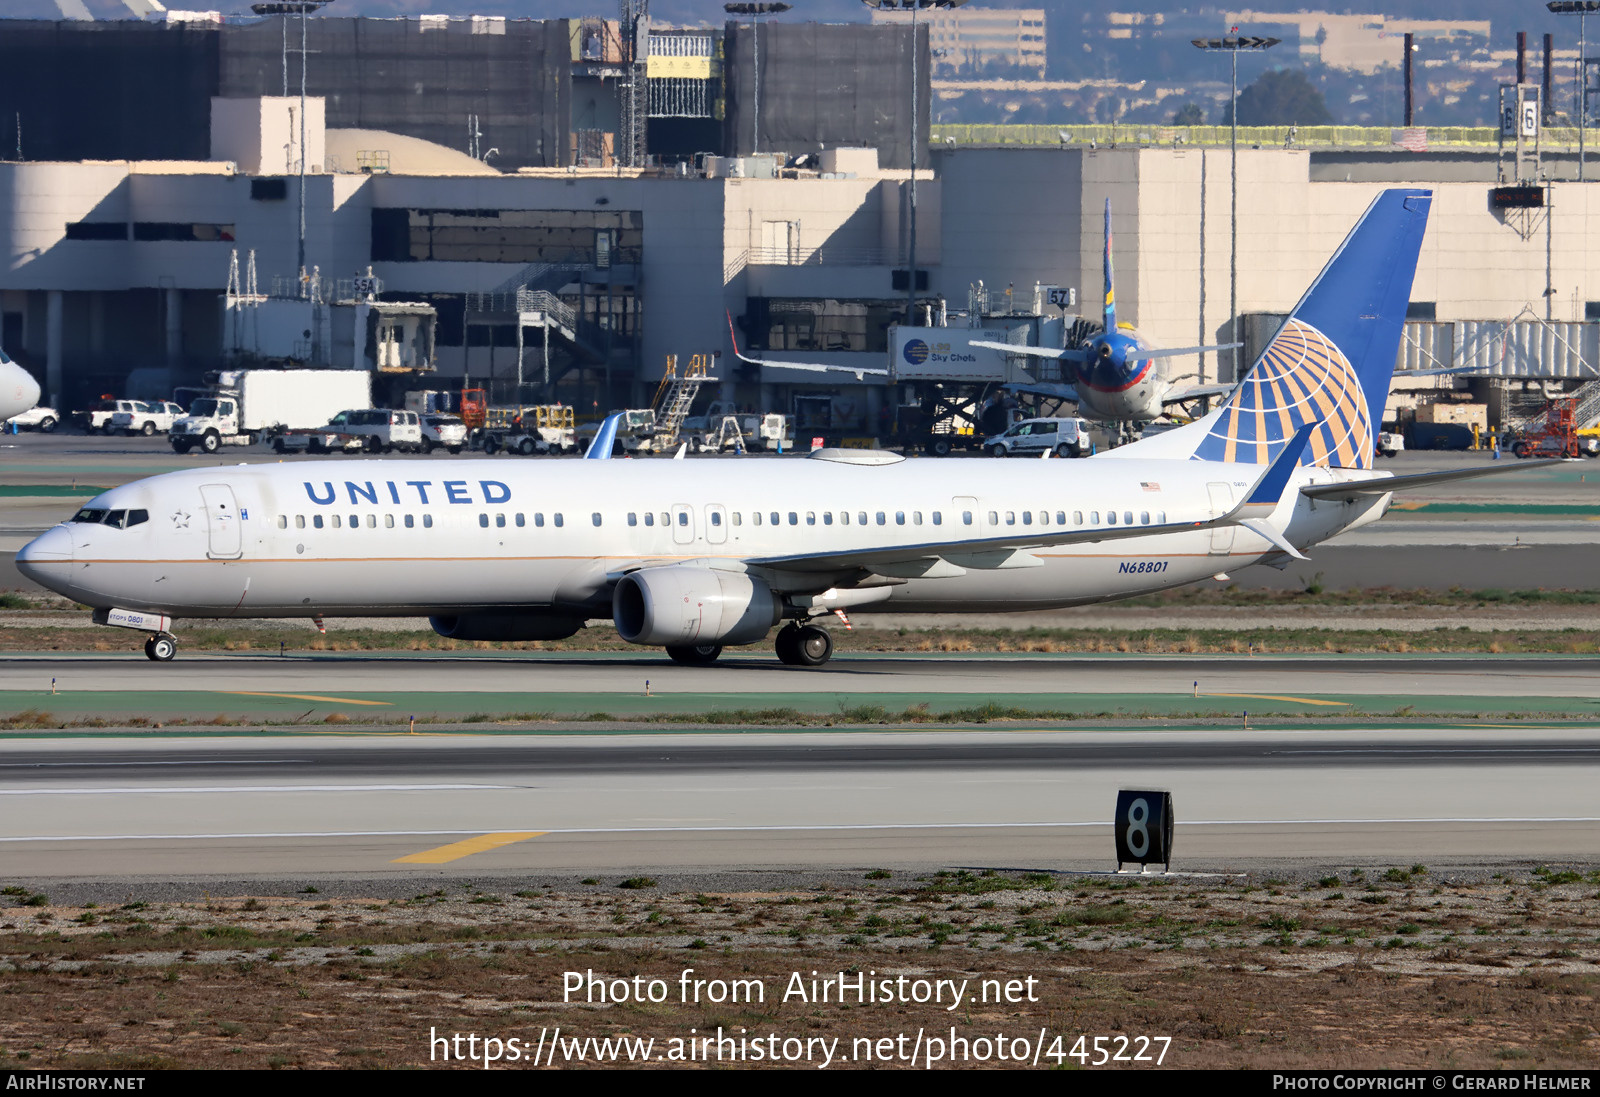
(1268, 491)
(605, 438)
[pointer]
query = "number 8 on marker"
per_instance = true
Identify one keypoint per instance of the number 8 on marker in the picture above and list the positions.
(1143, 827)
(1138, 837)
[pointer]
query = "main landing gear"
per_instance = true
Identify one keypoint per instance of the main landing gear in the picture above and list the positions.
(160, 648)
(695, 655)
(804, 645)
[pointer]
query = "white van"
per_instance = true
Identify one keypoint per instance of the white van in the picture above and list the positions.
(1031, 437)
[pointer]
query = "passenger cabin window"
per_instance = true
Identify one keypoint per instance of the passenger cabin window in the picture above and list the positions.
(559, 519)
(883, 519)
(899, 517)
(300, 521)
(483, 520)
(316, 520)
(283, 521)
(595, 518)
(411, 521)
(538, 520)
(811, 517)
(520, 521)
(649, 517)
(633, 518)
(716, 518)
(794, 518)
(427, 521)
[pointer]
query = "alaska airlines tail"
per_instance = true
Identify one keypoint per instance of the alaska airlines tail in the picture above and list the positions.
(1332, 361)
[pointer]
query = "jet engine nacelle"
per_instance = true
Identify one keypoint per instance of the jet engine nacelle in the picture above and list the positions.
(507, 625)
(673, 606)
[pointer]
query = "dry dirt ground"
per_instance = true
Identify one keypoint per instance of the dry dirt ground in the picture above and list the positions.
(1375, 968)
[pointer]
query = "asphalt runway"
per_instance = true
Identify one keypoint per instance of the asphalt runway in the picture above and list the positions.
(425, 806)
(756, 676)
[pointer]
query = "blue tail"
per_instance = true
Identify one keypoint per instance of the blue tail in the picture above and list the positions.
(1331, 362)
(1111, 293)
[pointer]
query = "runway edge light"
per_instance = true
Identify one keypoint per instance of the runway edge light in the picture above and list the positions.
(1143, 828)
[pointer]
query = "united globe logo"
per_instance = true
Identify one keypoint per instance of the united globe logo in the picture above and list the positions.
(1302, 377)
(916, 351)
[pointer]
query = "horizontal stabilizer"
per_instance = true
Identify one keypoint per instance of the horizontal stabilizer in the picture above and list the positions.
(1382, 485)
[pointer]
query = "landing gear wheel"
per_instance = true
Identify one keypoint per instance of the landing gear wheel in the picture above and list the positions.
(804, 645)
(696, 655)
(160, 649)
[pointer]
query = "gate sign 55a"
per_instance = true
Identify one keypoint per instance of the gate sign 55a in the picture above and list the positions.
(1143, 828)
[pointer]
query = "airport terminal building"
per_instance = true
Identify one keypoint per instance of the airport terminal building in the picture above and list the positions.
(550, 262)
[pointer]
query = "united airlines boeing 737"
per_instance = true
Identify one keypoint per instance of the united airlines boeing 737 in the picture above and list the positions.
(695, 556)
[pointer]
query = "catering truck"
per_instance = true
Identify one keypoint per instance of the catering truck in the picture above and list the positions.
(241, 406)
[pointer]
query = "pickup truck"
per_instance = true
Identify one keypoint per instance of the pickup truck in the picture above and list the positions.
(155, 417)
(98, 416)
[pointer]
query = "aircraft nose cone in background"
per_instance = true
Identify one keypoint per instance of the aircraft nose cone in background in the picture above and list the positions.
(18, 390)
(41, 558)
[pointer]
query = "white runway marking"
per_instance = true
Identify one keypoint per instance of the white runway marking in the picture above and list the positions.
(795, 828)
(150, 789)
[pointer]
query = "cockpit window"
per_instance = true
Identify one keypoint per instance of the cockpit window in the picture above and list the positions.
(116, 519)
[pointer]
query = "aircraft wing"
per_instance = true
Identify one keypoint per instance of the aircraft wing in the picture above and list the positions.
(1023, 348)
(1065, 393)
(1173, 352)
(1382, 485)
(945, 558)
(810, 367)
(1195, 392)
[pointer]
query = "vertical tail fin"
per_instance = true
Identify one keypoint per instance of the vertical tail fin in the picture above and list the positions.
(1111, 294)
(1332, 361)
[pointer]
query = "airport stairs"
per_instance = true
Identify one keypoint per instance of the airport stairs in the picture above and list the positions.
(676, 394)
(1537, 418)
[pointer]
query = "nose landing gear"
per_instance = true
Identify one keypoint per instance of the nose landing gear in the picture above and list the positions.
(804, 645)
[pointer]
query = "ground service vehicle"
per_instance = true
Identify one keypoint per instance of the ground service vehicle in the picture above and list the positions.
(148, 418)
(1031, 437)
(443, 432)
(245, 404)
(38, 418)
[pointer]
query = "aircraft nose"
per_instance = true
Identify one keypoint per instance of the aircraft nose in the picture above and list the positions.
(28, 390)
(34, 559)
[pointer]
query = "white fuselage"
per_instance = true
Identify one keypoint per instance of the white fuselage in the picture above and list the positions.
(426, 537)
(18, 390)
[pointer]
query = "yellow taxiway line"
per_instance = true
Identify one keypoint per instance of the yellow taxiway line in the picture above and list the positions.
(466, 847)
(303, 697)
(1275, 697)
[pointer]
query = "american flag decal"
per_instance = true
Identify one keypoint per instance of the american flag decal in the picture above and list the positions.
(1150, 485)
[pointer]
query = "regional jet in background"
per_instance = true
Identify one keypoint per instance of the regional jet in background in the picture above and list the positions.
(696, 556)
(1115, 374)
(18, 390)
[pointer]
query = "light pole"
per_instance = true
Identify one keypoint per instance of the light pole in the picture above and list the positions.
(913, 6)
(756, 11)
(1234, 45)
(1580, 8)
(301, 8)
